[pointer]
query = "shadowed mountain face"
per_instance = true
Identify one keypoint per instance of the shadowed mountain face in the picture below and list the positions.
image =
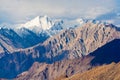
(107, 54)
(71, 44)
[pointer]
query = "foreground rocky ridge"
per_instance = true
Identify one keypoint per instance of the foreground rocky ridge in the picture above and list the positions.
(69, 44)
(65, 68)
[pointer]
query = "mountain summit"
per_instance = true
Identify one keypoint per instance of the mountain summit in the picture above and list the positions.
(38, 23)
(44, 24)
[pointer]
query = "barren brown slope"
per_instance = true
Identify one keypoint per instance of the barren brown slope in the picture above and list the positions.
(105, 72)
(65, 68)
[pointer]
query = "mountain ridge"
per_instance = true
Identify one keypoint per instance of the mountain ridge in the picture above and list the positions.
(66, 68)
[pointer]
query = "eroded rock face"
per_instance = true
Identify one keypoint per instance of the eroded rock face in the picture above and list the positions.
(69, 44)
(82, 40)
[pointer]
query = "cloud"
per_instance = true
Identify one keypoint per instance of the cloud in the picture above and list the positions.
(15, 11)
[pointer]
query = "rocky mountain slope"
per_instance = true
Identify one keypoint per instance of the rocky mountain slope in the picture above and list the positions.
(11, 41)
(65, 68)
(69, 44)
(81, 40)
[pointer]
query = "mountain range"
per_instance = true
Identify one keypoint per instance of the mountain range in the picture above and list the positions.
(32, 32)
(49, 49)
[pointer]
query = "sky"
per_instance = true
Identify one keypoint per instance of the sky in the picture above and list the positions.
(18, 11)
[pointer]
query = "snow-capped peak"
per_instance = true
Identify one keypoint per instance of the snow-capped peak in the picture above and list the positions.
(38, 23)
(33, 22)
(51, 26)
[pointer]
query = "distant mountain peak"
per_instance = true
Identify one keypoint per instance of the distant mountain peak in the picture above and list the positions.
(38, 23)
(45, 23)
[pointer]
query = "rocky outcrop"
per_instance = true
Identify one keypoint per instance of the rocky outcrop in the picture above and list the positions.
(82, 40)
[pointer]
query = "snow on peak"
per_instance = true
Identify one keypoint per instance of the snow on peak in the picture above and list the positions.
(33, 22)
(43, 23)
(51, 26)
(38, 23)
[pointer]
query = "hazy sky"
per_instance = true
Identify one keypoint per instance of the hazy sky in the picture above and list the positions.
(16, 11)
